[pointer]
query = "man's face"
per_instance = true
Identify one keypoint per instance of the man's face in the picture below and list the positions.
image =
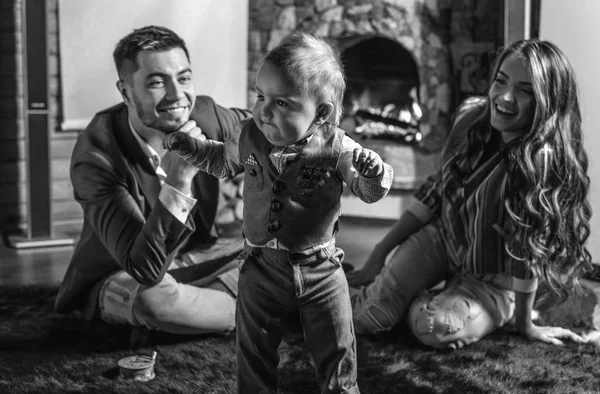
(160, 93)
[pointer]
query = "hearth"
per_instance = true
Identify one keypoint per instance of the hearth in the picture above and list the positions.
(381, 99)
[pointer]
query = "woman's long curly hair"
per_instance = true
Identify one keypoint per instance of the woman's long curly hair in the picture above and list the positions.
(546, 194)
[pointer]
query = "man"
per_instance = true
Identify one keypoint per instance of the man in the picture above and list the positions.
(146, 210)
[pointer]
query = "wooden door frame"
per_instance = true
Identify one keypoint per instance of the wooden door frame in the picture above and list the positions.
(521, 19)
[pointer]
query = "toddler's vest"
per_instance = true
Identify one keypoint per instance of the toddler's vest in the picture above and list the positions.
(300, 206)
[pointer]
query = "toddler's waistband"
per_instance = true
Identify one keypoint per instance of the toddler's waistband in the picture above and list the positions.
(274, 243)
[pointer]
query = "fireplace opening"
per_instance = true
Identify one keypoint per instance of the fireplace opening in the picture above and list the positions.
(381, 99)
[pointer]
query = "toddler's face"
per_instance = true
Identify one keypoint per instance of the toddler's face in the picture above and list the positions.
(283, 113)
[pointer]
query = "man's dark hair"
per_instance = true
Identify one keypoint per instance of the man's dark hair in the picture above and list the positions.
(148, 38)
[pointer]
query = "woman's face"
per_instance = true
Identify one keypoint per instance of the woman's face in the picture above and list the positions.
(511, 99)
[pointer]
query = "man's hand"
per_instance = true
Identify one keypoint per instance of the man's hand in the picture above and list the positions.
(367, 162)
(179, 172)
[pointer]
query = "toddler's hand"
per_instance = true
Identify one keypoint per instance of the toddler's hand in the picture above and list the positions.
(182, 140)
(367, 162)
(180, 164)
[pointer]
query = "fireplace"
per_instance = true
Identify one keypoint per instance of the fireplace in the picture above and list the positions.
(381, 100)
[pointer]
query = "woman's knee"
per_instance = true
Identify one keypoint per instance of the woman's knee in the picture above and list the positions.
(441, 321)
(427, 325)
(377, 317)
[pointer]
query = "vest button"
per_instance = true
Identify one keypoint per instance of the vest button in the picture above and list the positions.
(278, 186)
(275, 206)
(252, 172)
(273, 225)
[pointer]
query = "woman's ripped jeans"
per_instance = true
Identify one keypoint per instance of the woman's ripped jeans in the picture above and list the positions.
(418, 263)
(466, 310)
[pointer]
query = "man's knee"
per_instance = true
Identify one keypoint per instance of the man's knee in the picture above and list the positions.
(153, 302)
(184, 309)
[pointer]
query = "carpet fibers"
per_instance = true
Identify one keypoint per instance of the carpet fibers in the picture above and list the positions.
(43, 352)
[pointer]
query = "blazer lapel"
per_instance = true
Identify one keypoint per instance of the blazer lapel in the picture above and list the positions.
(139, 162)
(205, 187)
(148, 182)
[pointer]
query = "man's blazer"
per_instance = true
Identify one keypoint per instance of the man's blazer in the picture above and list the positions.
(125, 226)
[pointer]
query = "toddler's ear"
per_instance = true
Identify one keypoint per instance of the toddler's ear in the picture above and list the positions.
(324, 111)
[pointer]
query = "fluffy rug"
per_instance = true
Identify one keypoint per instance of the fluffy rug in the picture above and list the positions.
(43, 352)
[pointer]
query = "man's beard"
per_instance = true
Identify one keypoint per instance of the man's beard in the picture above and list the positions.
(155, 122)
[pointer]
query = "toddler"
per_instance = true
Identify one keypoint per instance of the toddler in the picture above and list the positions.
(294, 159)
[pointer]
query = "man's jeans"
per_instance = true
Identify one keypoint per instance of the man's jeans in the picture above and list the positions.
(468, 308)
(273, 284)
(169, 306)
(181, 303)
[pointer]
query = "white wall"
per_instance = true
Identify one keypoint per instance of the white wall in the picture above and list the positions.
(573, 25)
(215, 31)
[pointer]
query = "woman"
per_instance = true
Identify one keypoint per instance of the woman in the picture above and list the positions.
(508, 207)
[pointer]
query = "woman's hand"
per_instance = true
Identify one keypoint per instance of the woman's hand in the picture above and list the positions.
(368, 272)
(551, 335)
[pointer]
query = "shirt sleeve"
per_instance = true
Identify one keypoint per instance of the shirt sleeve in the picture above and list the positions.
(222, 159)
(367, 189)
(428, 198)
(524, 285)
(523, 278)
(176, 202)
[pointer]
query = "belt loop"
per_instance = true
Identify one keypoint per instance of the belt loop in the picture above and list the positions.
(330, 249)
(327, 253)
